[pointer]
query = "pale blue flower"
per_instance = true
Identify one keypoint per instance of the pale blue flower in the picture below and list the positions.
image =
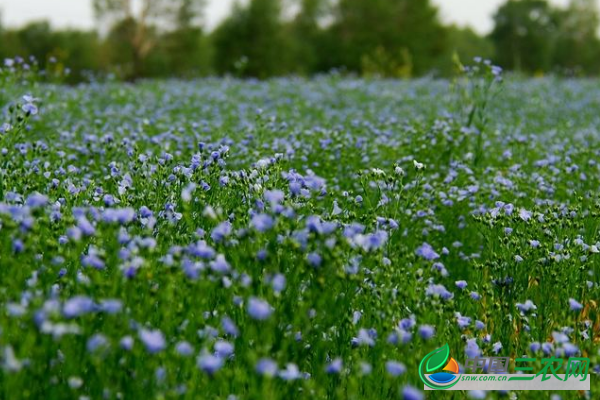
(153, 340)
(259, 309)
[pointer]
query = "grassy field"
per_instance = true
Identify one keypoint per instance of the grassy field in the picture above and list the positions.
(293, 239)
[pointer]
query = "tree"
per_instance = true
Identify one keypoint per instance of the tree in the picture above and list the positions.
(466, 44)
(251, 40)
(36, 39)
(307, 37)
(2, 45)
(577, 46)
(125, 52)
(524, 35)
(138, 29)
(186, 46)
(77, 51)
(189, 14)
(399, 31)
(184, 52)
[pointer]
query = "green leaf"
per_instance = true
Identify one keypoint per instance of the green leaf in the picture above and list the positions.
(438, 358)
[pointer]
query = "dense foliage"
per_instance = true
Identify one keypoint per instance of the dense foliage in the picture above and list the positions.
(291, 238)
(265, 38)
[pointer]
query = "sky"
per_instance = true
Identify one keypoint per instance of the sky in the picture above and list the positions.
(78, 13)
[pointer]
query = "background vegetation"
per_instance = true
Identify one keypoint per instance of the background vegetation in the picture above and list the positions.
(264, 38)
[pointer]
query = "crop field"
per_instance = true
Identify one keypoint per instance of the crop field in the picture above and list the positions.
(293, 238)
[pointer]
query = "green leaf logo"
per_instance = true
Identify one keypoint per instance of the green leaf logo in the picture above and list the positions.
(432, 361)
(438, 358)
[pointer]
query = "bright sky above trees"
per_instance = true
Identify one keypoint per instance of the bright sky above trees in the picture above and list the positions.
(78, 13)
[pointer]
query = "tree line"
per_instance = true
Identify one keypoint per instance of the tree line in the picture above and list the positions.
(265, 38)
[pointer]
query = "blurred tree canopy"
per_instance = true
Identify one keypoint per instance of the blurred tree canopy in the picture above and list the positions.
(264, 38)
(524, 35)
(163, 36)
(533, 36)
(577, 48)
(251, 41)
(388, 36)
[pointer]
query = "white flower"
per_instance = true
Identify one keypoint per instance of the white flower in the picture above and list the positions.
(336, 209)
(263, 163)
(75, 382)
(399, 171)
(209, 212)
(5, 127)
(418, 165)
(186, 193)
(11, 363)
